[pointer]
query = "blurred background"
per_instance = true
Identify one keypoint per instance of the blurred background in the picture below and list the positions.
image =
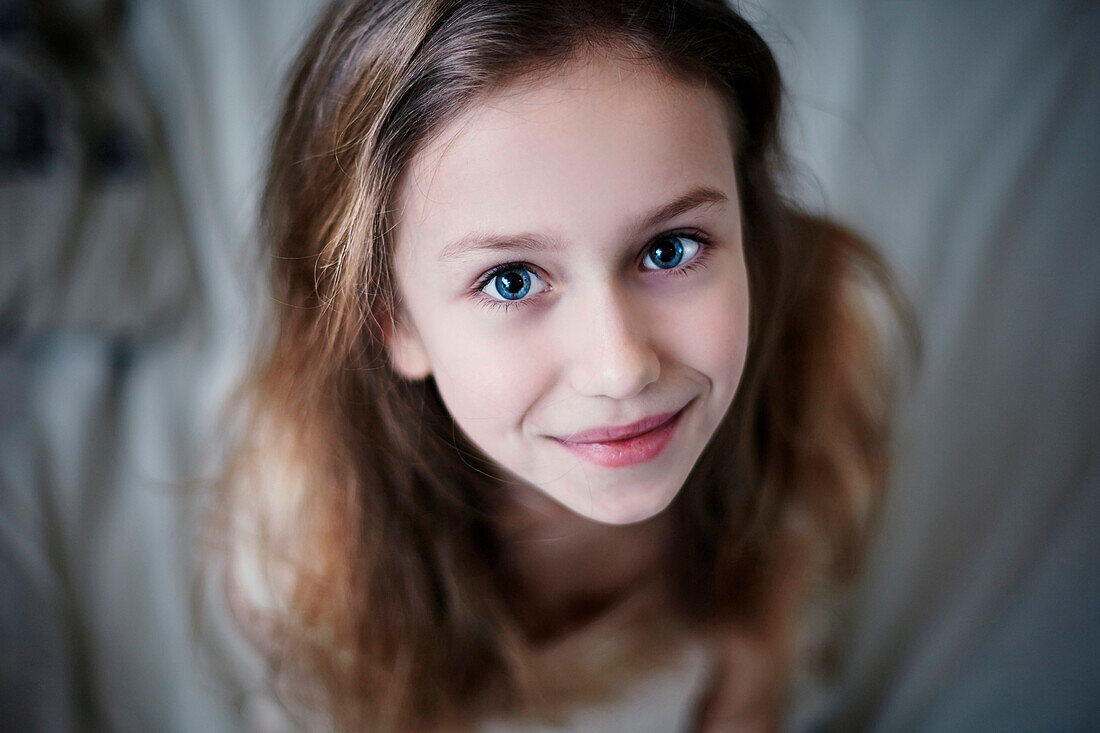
(961, 136)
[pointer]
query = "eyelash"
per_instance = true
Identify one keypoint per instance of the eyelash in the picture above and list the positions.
(493, 304)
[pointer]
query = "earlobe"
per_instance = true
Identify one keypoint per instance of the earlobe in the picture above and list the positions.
(406, 351)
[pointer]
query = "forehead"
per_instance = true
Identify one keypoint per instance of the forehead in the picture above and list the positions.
(600, 138)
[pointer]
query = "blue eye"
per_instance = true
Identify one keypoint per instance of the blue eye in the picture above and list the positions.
(669, 251)
(513, 282)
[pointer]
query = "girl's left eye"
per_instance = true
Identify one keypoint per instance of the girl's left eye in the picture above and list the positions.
(512, 282)
(670, 251)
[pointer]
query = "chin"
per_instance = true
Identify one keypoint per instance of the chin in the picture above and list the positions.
(629, 508)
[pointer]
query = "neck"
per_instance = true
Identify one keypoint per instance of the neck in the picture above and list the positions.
(569, 570)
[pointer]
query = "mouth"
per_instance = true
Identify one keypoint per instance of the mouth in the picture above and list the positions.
(627, 445)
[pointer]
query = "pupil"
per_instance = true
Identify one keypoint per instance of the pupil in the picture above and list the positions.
(513, 284)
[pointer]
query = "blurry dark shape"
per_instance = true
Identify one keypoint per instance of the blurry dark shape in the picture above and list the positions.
(15, 16)
(93, 234)
(115, 151)
(83, 42)
(27, 137)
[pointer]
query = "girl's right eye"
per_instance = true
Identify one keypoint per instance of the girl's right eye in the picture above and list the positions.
(512, 282)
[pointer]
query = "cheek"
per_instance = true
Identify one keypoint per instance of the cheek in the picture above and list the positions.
(488, 380)
(715, 342)
(728, 344)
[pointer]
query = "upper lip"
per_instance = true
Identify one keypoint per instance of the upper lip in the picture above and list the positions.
(611, 433)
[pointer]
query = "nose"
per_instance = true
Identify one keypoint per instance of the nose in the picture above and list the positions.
(613, 355)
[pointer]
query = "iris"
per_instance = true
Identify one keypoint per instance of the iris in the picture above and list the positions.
(666, 252)
(513, 284)
(670, 251)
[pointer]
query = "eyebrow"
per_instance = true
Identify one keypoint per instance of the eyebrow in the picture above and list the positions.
(693, 199)
(483, 242)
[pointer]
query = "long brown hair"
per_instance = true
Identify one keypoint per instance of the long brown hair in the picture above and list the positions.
(369, 513)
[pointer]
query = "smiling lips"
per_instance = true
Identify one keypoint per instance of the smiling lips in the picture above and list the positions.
(628, 445)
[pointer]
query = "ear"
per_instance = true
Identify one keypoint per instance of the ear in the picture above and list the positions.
(405, 348)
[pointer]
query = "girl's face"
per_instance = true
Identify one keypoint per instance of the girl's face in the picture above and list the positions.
(569, 263)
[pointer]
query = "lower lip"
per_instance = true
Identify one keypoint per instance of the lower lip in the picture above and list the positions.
(630, 452)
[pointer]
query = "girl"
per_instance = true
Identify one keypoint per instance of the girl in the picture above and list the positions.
(560, 385)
